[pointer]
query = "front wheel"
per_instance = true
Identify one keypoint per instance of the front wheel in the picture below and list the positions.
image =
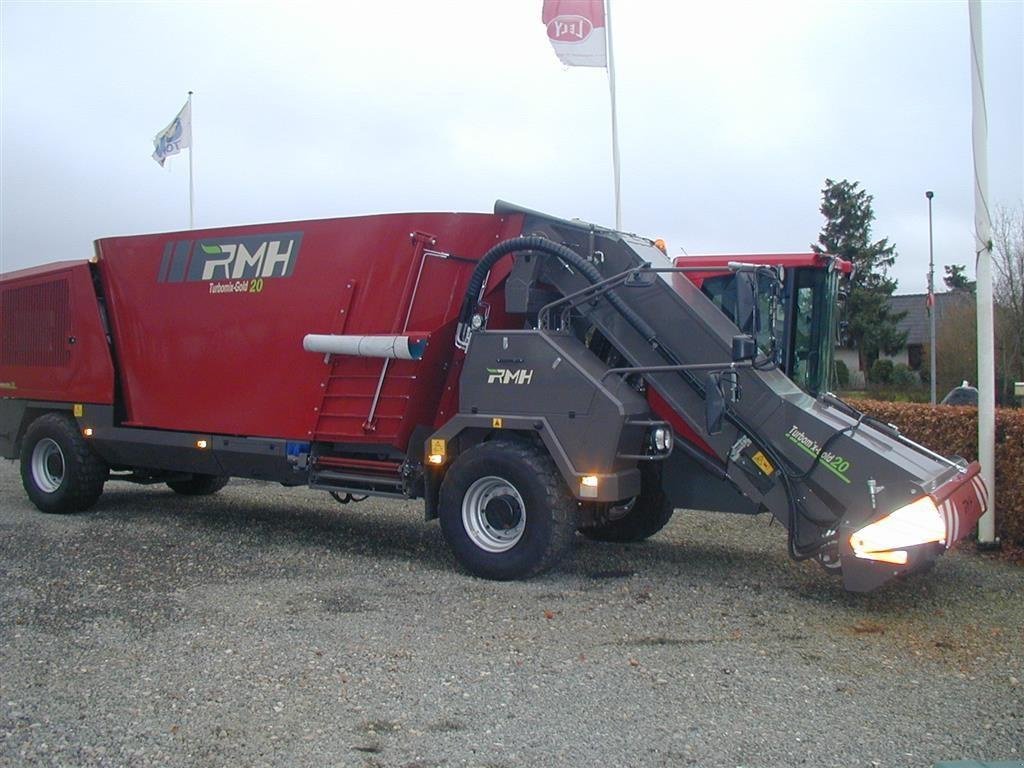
(505, 511)
(60, 472)
(647, 514)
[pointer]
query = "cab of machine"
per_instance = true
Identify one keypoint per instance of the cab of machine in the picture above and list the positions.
(806, 318)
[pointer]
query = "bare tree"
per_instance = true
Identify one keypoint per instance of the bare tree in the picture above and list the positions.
(1008, 289)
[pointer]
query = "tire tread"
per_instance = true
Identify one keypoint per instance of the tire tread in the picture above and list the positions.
(85, 472)
(549, 491)
(198, 485)
(559, 501)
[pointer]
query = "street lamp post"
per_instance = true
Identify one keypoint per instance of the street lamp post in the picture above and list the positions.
(931, 296)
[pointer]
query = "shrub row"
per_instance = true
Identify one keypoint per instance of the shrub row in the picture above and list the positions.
(952, 430)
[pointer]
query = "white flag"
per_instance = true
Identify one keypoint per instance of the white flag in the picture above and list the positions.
(175, 137)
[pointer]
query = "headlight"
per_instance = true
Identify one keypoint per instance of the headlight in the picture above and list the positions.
(917, 523)
(661, 439)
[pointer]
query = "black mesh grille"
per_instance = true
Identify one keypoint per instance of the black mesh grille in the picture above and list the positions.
(35, 325)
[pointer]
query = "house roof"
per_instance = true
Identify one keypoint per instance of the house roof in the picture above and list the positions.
(916, 322)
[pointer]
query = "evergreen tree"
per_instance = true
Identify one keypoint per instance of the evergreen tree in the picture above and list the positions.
(847, 233)
(956, 279)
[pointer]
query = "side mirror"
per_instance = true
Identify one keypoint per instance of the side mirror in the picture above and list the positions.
(746, 302)
(714, 404)
(744, 347)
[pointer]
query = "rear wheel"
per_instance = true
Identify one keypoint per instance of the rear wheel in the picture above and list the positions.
(60, 472)
(505, 511)
(647, 514)
(198, 485)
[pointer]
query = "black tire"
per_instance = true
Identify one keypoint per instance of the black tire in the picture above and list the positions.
(198, 485)
(60, 472)
(506, 512)
(650, 512)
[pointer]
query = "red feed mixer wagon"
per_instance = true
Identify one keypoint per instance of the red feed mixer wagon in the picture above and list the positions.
(530, 378)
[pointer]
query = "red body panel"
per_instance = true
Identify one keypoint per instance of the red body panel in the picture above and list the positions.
(718, 265)
(52, 342)
(213, 343)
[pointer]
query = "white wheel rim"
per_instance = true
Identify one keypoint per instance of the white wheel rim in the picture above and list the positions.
(493, 514)
(47, 465)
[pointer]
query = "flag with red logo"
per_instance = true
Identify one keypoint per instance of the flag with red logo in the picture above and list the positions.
(576, 29)
(929, 302)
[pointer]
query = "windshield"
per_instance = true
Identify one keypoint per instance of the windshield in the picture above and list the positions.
(810, 332)
(722, 292)
(805, 318)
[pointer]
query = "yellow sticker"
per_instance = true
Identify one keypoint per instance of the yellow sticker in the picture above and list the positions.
(496, 422)
(763, 463)
(78, 409)
(437, 446)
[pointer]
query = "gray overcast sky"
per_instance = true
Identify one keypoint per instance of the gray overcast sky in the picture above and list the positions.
(731, 115)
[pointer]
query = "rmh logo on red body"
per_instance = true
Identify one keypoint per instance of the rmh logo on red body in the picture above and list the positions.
(570, 29)
(236, 257)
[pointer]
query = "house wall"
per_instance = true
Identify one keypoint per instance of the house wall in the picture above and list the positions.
(899, 357)
(858, 378)
(852, 360)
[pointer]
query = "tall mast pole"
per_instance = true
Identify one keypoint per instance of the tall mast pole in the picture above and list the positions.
(615, 120)
(983, 247)
(931, 296)
(191, 152)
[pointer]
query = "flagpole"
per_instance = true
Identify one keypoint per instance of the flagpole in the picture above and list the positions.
(983, 276)
(615, 121)
(191, 152)
(931, 297)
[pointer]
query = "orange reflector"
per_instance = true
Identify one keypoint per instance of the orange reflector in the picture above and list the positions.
(438, 451)
(588, 487)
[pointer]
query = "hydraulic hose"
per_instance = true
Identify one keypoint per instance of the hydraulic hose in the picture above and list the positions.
(551, 249)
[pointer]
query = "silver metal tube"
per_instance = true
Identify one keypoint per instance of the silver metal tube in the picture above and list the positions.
(388, 347)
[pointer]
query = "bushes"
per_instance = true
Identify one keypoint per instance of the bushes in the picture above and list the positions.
(881, 371)
(953, 430)
(884, 371)
(902, 376)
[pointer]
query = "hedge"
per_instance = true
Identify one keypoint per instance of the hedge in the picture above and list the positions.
(950, 430)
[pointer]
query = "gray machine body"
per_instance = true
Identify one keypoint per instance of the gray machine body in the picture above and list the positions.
(550, 385)
(769, 454)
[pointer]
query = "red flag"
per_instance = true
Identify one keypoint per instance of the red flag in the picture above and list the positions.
(576, 29)
(929, 301)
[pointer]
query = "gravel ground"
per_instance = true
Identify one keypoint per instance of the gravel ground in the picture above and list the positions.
(270, 626)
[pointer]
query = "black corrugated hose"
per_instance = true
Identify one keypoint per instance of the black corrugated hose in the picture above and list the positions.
(550, 248)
